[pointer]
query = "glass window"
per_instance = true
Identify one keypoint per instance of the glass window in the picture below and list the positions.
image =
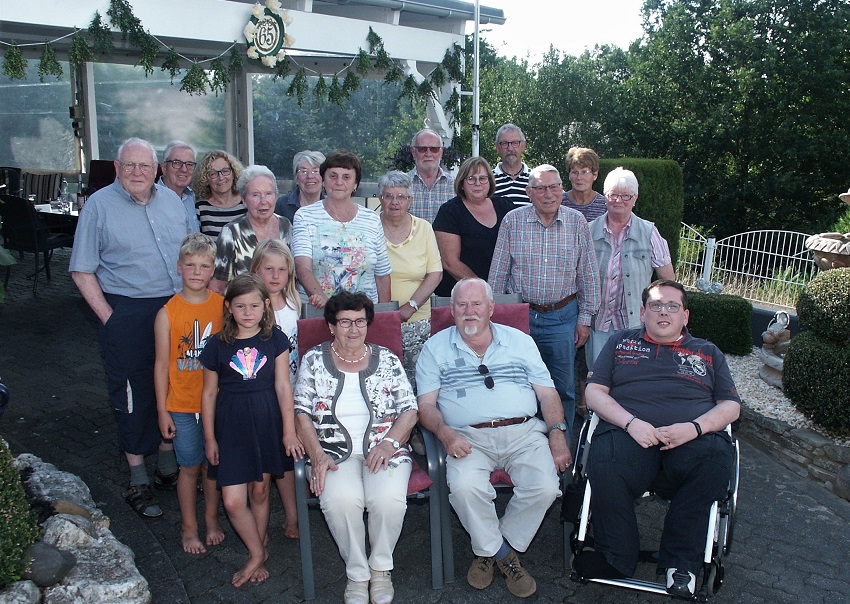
(130, 104)
(372, 124)
(35, 122)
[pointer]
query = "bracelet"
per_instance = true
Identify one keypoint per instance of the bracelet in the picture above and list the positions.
(698, 427)
(628, 423)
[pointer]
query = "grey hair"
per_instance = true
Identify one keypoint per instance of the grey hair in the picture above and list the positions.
(425, 131)
(538, 171)
(136, 142)
(252, 172)
(620, 178)
(507, 127)
(468, 280)
(176, 144)
(314, 158)
(394, 178)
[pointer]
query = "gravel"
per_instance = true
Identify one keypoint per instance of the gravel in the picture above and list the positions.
(765, 399)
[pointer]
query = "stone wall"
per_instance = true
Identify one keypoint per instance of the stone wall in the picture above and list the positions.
(805, 452)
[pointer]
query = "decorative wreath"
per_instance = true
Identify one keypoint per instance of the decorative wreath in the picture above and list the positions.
(266, 33)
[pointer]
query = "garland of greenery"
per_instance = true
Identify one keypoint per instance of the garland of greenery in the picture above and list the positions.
(95, 43)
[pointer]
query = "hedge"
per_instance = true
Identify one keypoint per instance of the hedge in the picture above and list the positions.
(18, 526)
(722, 319)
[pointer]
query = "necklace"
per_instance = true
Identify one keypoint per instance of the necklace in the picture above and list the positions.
(342, 358)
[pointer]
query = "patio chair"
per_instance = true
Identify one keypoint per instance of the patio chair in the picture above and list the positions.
(10, 180)
(385, 331)
(23, 231)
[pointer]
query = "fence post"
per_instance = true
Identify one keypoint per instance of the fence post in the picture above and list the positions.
(708, 261)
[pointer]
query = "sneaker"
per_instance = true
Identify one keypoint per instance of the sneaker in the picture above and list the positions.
(142, 501)
(381, 587)
(165, 482)
(356, 592)
(480, 573)
(519, 582)
(681, 583)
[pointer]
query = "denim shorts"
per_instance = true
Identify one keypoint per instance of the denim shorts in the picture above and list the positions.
(188, 439)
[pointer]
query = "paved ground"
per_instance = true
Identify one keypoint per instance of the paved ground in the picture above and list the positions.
(791, 542)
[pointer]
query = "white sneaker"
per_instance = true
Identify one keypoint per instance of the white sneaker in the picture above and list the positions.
(356, 592)
(381, 587)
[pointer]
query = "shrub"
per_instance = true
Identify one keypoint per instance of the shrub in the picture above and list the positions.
(816, 377)
(661, 196)
(824, 305)
(722, 319)
(18, 526)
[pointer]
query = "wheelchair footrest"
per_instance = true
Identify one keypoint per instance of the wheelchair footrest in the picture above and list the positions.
(636, 584)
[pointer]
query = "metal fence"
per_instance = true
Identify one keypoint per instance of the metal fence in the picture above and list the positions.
(767, 267)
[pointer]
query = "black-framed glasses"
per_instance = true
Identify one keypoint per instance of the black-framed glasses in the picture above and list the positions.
(179, 164)
(347, 323)
(223, 173)
(671, 307)
(627, 197)
(488, 379)
(506, 144)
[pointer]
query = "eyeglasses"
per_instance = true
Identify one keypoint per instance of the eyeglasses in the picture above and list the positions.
(477, 180)
(130, 167)
(223, 173)
(422, 149)
(506, 144)
(488, 379)
(585, 172)
(179, 164)
(303, 172)
(671, 307)
(391, 198)
(551, 188)
(619, 196)
(347, 323)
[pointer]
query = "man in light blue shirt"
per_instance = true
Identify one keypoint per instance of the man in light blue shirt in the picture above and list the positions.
(177, 170)
(479, 385)
(124, 263)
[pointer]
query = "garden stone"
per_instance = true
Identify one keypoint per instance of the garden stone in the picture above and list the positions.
(841, 486)
(21, 592)
(47, 564)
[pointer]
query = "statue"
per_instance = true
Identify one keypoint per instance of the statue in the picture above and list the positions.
(776, 339)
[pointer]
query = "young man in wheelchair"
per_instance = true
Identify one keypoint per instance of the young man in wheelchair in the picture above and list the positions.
(664, 399)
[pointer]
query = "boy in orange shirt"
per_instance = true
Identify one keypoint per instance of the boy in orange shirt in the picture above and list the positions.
(181, 329)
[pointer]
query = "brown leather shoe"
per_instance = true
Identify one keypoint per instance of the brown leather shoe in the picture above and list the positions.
(480, 573)
(519, 582)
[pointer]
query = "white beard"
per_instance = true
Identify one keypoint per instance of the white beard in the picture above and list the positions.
(470, 330)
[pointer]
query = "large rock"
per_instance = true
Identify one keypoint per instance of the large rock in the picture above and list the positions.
(841, 486)
(21, 592)
(46, 564)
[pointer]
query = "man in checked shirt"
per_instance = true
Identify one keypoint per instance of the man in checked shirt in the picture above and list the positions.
(544, 251)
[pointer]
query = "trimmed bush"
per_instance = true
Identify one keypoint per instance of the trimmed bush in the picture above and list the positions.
(816, 377)
(661, 194)
(18, 526)
(722, 319)
(824, 305)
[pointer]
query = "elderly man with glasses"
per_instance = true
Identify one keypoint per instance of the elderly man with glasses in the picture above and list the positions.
(124, 263)
(431, 185)
(479, 386)
(177, 170)
(511, 173)
(545, 253)
(664, 399)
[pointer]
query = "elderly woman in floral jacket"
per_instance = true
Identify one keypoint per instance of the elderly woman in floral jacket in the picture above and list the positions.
(355, 409)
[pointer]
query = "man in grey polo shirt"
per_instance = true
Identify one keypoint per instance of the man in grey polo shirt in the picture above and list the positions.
(124, 263)
(479, 386)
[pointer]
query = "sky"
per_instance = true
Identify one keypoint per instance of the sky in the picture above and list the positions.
(570, 25)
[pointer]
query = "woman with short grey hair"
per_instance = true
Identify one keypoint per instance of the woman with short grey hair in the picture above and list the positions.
(308, 184)
(237, 241)
(415, 261)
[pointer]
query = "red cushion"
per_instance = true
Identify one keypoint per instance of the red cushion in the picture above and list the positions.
(419, 479)
(499, 476)
(385, 331)
(512, 315)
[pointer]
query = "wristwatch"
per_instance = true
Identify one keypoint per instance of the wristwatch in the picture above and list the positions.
(396, 445)
(413, 304)
(559, 426)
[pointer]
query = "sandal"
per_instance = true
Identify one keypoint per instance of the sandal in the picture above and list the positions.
(142, 501)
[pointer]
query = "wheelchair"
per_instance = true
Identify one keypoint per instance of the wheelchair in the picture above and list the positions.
(576, 511)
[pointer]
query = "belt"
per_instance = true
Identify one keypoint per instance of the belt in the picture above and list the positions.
(498, 423)
(553, 306)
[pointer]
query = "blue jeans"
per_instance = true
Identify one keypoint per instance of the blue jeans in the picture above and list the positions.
(554, 333)
(189, 442)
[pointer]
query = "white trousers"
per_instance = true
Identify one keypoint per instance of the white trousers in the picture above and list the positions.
(348, 492)
(521, 450)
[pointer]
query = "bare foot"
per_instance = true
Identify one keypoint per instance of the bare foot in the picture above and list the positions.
(191, 543)
(247, 572)
(260, 575)
(214, 535)
(290, 530)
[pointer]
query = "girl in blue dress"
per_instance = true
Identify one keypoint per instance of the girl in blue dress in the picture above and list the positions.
(247, 411)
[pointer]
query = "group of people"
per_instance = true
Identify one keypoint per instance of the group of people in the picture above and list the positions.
(198, 281)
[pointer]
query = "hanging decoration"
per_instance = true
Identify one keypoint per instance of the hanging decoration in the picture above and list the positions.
(266, 33)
